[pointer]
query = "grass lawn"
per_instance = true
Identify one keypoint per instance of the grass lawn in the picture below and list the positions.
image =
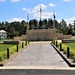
(3, 50)
(3, 47)
(72, 49)
(12, 50)
(71, 45)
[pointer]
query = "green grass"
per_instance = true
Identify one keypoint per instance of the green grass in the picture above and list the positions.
(12, 49)
(72, 49)
(3, 47)
(3, 50)
(71, 45)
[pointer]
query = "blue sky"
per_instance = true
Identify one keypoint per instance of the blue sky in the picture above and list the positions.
(16, 10)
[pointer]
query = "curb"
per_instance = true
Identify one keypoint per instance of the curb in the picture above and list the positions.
(62, 55)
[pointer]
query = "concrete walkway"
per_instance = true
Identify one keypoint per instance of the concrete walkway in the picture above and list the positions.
(38, 54)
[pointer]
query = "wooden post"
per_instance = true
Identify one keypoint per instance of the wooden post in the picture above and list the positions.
(68, 52)
(17, 47)
(60, 46)
(56, 44)
(7, 53)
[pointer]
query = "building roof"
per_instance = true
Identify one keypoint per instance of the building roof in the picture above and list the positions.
(3, 31)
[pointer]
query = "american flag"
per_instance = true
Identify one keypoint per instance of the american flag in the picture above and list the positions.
(27, 16)
(54, 15)
(40, 9)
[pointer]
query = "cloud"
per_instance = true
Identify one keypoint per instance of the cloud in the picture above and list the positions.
(2, 0)
(67, 0)
(52, 5)
(15, 1)
(25, 9)
(68, 20)
(44, 15)
(35, 12)
(16, 19)
(37, 8)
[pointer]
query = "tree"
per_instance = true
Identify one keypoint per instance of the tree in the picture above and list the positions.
(50, 23)
(40, 24)
(57, 25)
(74, 24)
(14, 28)
(63, 25)
(35, 23)
(30, 24)
(44, 22)
(70, 30)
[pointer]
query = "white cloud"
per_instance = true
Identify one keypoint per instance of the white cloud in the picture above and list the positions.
(59, 21)
(2, 0)
(25, 9)
(68, 20)
(67, 0)
(37, 8)
(52, 5)
(15, 1)
(16, 19)
(44, 15)
(36, 12)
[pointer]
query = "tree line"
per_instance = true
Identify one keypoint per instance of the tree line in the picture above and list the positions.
(61, 27)
(19, 28)
(14, 28)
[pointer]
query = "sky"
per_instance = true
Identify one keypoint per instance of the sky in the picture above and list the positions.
(17, 10)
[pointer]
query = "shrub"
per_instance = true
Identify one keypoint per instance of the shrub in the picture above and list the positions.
(74, 57)
(64, 49)
(3, 56)
(12, 50)
(19, 46)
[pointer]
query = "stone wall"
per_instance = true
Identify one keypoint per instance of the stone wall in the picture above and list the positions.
(68, 41)
(41, 35)
(45, 35)
(61, 36)
(20, 38)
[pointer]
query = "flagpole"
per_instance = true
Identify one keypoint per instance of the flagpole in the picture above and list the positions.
(28, 19)
(54, 18)
(40, 13)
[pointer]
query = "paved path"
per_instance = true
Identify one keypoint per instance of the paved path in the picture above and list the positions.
(38, 54)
